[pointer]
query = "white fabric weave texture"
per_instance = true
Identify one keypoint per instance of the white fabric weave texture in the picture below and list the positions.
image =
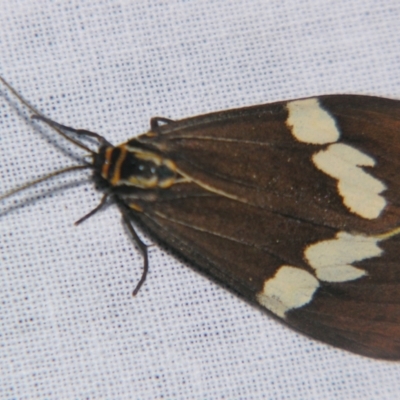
(69, 327)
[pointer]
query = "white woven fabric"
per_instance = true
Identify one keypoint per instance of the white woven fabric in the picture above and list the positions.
(68, 325)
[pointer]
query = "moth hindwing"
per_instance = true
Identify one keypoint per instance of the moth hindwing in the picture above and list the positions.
(293, 206)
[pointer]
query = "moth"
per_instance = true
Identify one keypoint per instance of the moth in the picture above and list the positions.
(293, 206)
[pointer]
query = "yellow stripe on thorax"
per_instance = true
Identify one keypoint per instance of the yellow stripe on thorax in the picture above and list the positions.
(107, 162)
(117, 171)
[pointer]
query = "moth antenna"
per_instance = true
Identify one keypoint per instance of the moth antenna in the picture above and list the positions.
(103, 141)
(40, 116)
(44, 178)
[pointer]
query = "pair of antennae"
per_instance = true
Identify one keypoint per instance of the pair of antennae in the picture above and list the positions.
(59, 129)
(102, 141)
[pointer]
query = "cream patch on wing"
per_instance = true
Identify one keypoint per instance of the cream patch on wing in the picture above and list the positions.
(332, 258)
(310, 123)
(360, 190)
(292, 287)
(289, 288)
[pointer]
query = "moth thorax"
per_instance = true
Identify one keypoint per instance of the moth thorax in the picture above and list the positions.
(124, 166)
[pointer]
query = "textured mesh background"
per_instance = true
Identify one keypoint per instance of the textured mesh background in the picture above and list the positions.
(68, 325)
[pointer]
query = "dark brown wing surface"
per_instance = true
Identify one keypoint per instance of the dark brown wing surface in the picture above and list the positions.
(259, 205)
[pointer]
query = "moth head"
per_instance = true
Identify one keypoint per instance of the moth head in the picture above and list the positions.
(129, 166)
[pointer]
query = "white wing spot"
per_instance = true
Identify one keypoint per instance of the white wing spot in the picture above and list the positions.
(360, 190)
(310, 123)
(290, 288)
(332, 258)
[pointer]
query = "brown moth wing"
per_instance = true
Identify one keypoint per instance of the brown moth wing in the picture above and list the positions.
(241, 244)
(241, 247)
(256, 202)
(252, 155)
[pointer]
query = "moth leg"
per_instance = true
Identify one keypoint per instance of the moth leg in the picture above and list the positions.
(84, 132)
(155, 122)
(94, 211)
(142, 247)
